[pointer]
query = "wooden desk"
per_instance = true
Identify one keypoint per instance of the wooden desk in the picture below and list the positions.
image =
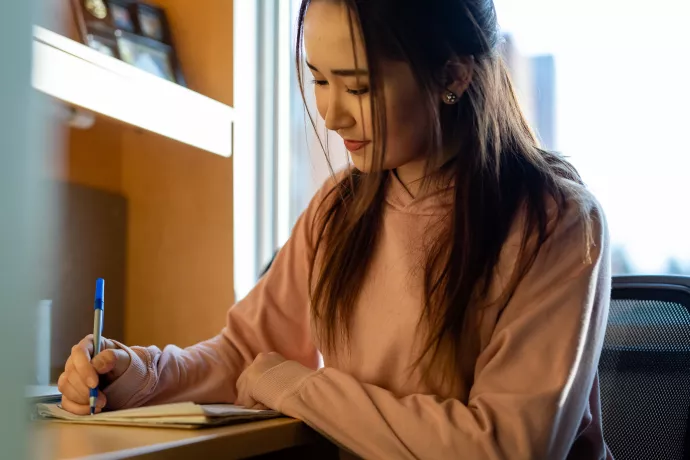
(62, 441)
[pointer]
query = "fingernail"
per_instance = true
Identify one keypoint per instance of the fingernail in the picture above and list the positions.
(92, 383)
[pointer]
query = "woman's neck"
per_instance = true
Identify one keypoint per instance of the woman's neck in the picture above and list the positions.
(417, 179)
(411, 175)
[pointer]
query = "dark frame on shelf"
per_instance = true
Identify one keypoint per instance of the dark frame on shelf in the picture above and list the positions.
(131, 31)
(132, 46)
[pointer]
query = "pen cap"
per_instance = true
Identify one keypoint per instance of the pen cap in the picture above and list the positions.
(100, 288)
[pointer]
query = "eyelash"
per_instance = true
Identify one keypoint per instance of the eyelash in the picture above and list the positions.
(354, 92)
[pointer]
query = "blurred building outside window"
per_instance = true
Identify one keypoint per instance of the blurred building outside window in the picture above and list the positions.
(604, 82)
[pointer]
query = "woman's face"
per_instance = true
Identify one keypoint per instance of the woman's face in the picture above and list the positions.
(342, 91)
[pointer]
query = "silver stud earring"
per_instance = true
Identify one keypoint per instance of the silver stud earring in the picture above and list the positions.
(450, 97)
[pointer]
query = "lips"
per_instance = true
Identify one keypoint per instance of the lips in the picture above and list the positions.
(353, 146)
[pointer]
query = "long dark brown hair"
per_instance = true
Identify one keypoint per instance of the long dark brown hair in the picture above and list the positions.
(498, 171)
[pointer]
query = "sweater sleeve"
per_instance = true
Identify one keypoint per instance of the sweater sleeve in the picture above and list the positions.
(532, 381)
(273, 317)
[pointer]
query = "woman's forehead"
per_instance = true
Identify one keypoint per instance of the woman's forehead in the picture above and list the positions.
(328, 39)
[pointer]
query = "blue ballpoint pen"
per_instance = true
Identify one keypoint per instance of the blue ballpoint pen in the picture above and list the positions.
(97, 330)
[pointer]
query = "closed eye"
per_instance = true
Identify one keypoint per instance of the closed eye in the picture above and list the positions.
(358, 92)
(354, 92)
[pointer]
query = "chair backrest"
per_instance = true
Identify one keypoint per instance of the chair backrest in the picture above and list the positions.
(644, 369)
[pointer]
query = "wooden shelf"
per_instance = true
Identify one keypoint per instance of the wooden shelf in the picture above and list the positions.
(81, 76)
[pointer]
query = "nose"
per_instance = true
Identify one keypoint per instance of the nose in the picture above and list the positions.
(337, 115)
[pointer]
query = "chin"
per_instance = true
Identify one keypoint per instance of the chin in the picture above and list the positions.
(363, 163)
(360, 163)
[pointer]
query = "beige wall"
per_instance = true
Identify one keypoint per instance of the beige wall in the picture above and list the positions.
(179, 280)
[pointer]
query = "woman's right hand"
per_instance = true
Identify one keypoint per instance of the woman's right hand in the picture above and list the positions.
(82, 373)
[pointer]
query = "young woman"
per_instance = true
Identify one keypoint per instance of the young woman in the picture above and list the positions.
(456, 279)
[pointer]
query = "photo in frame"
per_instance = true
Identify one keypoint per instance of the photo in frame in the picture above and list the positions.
(103, 43)
(149, 55)
(152, 22)
(134, 32)
(122, 15)
(91, 16)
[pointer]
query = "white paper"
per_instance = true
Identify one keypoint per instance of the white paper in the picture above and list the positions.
(185, 414)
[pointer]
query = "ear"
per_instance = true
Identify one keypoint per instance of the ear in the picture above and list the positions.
(459, 72)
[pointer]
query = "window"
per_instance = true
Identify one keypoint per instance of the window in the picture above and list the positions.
(309, 166)
(278, 163)
(620, 110)
(602, 81)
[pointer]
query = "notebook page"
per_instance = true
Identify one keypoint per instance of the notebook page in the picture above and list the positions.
(186, 413)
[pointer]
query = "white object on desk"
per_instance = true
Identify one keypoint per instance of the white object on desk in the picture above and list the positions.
(42, 393)
(43, 327)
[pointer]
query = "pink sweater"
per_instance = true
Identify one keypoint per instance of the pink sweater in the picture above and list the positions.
(535, 392)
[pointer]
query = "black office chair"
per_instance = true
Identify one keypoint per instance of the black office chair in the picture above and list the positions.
(645, 369)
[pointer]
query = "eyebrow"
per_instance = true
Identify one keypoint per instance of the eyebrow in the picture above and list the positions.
(342, 72)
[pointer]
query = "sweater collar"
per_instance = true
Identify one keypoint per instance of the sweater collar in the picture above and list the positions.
(437, 199)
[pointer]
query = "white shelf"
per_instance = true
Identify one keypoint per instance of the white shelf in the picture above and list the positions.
(81, 76)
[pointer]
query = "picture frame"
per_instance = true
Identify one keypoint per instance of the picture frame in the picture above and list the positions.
(152, 22)
(131, 31)
(149, 55)
(122, 15)
(103, 43)
(91, 16)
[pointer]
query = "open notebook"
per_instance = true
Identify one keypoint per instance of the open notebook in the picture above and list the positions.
(177, 415)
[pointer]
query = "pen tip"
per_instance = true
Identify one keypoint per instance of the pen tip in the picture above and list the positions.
(93, 410)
